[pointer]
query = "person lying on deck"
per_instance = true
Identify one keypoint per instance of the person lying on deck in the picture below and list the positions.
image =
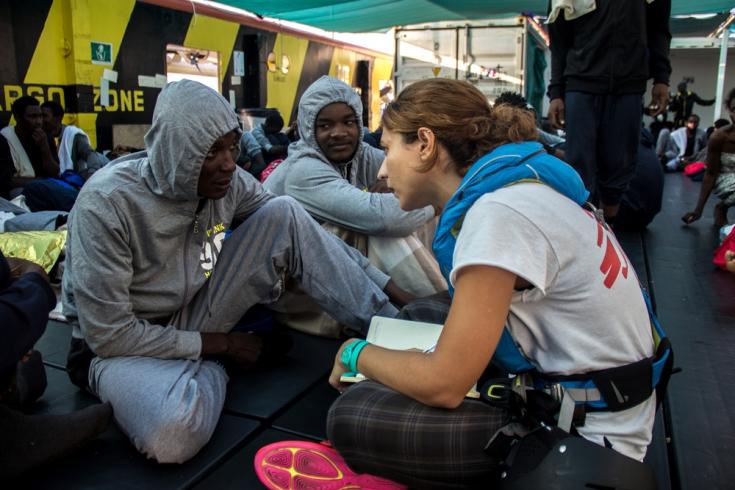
(334, 175)
(155, 282)
(522, 255)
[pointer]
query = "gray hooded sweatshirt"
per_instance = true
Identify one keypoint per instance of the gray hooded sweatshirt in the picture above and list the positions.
(142, 242)
(320, 186)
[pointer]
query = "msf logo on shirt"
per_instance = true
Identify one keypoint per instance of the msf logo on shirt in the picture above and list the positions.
(212, 246)
(614, 262)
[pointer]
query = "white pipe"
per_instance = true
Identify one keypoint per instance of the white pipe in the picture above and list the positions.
(721, 74)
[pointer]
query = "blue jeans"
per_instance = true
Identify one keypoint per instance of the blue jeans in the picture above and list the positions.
(602, 141)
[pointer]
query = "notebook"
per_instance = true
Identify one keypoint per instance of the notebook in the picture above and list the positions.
(393, 333)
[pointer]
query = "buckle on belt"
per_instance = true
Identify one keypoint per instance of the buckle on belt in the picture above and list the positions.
(497, 392)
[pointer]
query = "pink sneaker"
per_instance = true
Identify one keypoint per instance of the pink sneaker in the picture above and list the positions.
(301, 465)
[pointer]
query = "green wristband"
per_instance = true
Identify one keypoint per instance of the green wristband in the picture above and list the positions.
(356, 354)
(347, 353)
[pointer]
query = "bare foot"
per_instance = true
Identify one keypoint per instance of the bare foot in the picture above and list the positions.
(730, 260)
(720, 215)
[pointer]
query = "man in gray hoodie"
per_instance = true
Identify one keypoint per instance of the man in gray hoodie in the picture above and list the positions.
(154, 281)
(330, 171)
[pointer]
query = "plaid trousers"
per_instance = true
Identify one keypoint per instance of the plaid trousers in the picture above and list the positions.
(382, 432)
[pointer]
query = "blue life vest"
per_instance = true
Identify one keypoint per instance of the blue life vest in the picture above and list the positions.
(507, 165)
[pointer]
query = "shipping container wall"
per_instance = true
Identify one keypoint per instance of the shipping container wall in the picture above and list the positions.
(106, 62)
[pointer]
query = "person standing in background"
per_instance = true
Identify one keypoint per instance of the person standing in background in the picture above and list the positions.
(602, 55)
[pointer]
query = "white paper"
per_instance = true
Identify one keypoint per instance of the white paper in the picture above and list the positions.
(232, 99)
(393, 333)
(235, 81)
(160, 80)
(403, 334)
(146, 81)
(238, 61)
(104, 92)
(110, 75)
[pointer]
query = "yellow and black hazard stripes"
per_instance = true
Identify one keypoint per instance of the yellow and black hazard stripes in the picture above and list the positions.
(142, 52)
(213, 34)
(48, 50)
(319, 59)
(64, 51)
(382, 74)
(52, 49)
(21, 25)
(283, 83)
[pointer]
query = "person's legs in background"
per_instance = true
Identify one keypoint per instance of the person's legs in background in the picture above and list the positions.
(619, 134)
(582, 137)
(49, 195)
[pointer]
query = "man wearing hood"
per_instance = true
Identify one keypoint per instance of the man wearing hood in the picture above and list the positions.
(154, 281)
(330, 169)
(334, 175)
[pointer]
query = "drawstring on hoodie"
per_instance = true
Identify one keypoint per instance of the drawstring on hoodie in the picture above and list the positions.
(200, 207)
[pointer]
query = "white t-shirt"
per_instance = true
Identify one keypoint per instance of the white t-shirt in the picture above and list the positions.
(585, 311)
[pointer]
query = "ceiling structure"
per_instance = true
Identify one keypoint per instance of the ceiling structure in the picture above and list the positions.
(375, 15)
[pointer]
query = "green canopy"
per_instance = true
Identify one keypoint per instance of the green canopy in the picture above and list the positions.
(371, 15)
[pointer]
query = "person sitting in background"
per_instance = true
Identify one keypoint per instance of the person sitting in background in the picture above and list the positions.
(720, 174)
(372, 138)
(330, 171)
(28, 159)
(251, 155)
(120, 151)
(334, 174)
(154, 282)
(273, 142)
(642, 199)
(683, 144)
(27, 441)
(552, 143)
(75, 151)
(701, 155)
(293, 130)
(659, 123)
(720, 123)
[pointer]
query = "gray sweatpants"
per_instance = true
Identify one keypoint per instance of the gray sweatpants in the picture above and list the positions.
(169, 408)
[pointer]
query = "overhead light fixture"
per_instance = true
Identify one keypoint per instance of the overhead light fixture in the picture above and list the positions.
(696, 16)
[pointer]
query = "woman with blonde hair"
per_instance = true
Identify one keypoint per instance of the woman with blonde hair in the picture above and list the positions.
(530, 269)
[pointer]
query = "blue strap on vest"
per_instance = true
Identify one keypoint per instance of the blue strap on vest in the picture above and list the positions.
(506, 165)
(527, 162)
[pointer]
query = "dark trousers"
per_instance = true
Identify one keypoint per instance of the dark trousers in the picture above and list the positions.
(602, 141)
(49, 195)
(384, 433)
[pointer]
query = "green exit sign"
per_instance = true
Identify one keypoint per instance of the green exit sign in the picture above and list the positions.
(101, 53)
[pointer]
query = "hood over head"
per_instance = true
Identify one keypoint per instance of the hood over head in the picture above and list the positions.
(187, 120)
(326, 90)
